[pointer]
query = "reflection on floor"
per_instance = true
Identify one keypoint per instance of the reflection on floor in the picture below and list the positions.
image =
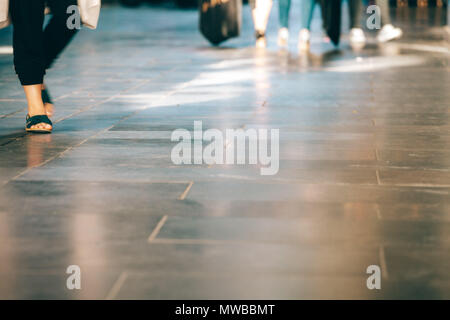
(364, 173)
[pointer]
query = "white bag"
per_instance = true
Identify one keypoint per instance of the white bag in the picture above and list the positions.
(4, 13)
(89, 11)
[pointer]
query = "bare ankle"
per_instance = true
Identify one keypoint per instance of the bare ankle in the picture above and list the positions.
(34, 110)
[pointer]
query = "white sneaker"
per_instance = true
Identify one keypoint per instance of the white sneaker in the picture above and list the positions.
(357, 36)
(304, 38)
(388, 33)
(283, 37)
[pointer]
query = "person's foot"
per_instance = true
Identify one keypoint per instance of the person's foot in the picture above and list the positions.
(325, 37)
(49, 109)
(283, 37)
(357, 36)
(260, 39)
(388, 33)
(36, 111)
(48, 103)
(304, 38)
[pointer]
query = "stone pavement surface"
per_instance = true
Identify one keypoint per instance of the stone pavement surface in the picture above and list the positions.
(364, 174)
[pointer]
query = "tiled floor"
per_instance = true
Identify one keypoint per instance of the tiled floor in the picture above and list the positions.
(364, 173)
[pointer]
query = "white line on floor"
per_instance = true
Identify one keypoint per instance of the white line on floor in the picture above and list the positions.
(112, 294)
(158, 227)
(185, 193)
(377, 210)
(377, 156)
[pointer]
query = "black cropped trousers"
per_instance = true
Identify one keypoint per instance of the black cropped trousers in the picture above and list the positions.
(35, 48)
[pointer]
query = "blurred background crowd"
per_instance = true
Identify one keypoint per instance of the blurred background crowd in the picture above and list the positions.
(193, 3)
(222, 16)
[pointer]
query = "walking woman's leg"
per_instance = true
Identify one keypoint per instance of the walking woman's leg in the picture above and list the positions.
(260, 13)
(355, 11)
(324, 15)
(356, 37)
(307, 11)
(283, 32)
(284, 8)
(384, 11)
(57, 35)
(29, 57)
(304, 36)
(388, 32)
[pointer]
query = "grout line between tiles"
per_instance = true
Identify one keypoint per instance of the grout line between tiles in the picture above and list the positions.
(186, 192)
(112, 294)
(157, 229)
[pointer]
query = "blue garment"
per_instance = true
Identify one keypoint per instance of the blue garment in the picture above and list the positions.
(307, 9)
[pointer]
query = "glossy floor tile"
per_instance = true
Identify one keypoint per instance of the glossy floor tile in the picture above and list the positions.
(363, 179)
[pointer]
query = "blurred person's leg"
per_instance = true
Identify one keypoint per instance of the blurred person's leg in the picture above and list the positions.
(355, 11)
(388, 31)
(384, 11)
(448, 13)
(56, 37)
(323, 14)
(283, 33)
(29, 55)
(260, 13)
(56, 34)
(284, 8)
(307, 11)
(447, 28)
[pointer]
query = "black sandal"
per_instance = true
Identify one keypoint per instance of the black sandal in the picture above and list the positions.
(32, 121)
